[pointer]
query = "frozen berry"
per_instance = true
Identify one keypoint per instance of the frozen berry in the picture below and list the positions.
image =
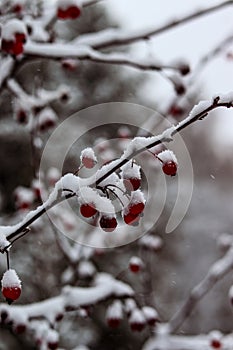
(11, 286)
(73, 12)
(132, 184)
(131, 219)
(11, 293)
(216, 344)
(108, 224)
(170, 168)
(88, 210)
(89, 163)
(52, 345)
(20, 328)
(135, 264)
(113, 322)
(136, 208)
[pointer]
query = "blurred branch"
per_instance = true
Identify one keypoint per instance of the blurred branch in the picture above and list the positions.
(217, 271)
(84, 52)
(86, 3)
(185, 342)
(119, 37)
(211, 55)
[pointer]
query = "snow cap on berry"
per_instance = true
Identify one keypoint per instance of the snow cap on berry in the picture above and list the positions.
(137, 197)
(131, 170)
(12, 27)
(137, 320)
(53, 175)
(88, 158)
(47, 118)
(167, 156)
(151, 242)
(151, 315)
(130, 305)
(114, 310)
(102, 204)
(10, 279)
(215, 334)
(136, 260)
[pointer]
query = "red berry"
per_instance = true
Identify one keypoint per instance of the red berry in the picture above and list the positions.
(131, 219)
(136, 208)
(108, 224)
(11, 293)
(170, 168)
(134, 267)
(20, 328)
(17, 8)
(73, 12)
(132, 184)
(7, 45)
(216, 344)
(52, 345)
(176, 111)
(62, 14)
(21, 116)
(113, 322)
(17, 48)
(137, 326)
(88, 162)
(24, 205)
(20, 37)
(88, 210)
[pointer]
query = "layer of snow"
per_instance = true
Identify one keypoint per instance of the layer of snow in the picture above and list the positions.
(3, 241)
(115, 310)
(13, 26)
(10, 279)
(167, 156)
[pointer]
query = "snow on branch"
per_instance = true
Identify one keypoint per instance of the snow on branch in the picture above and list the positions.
(85, 52)
(74, 184)
(70, 299)
(165, 341)
(216, 272)
(115, 37)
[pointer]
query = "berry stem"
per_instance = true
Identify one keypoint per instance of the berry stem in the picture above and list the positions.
(8, 259)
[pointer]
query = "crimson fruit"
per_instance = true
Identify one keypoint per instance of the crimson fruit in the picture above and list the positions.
(11, 293)
(170, 168)
(88, 210)
(108, 224)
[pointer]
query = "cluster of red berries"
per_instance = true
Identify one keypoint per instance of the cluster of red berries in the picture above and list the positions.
(128, 182)
(137, 318)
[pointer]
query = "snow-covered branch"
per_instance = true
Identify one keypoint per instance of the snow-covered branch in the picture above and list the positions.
(219, 269)
(38, 319)
(165, 341)
(116, 37)
(138, 145)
